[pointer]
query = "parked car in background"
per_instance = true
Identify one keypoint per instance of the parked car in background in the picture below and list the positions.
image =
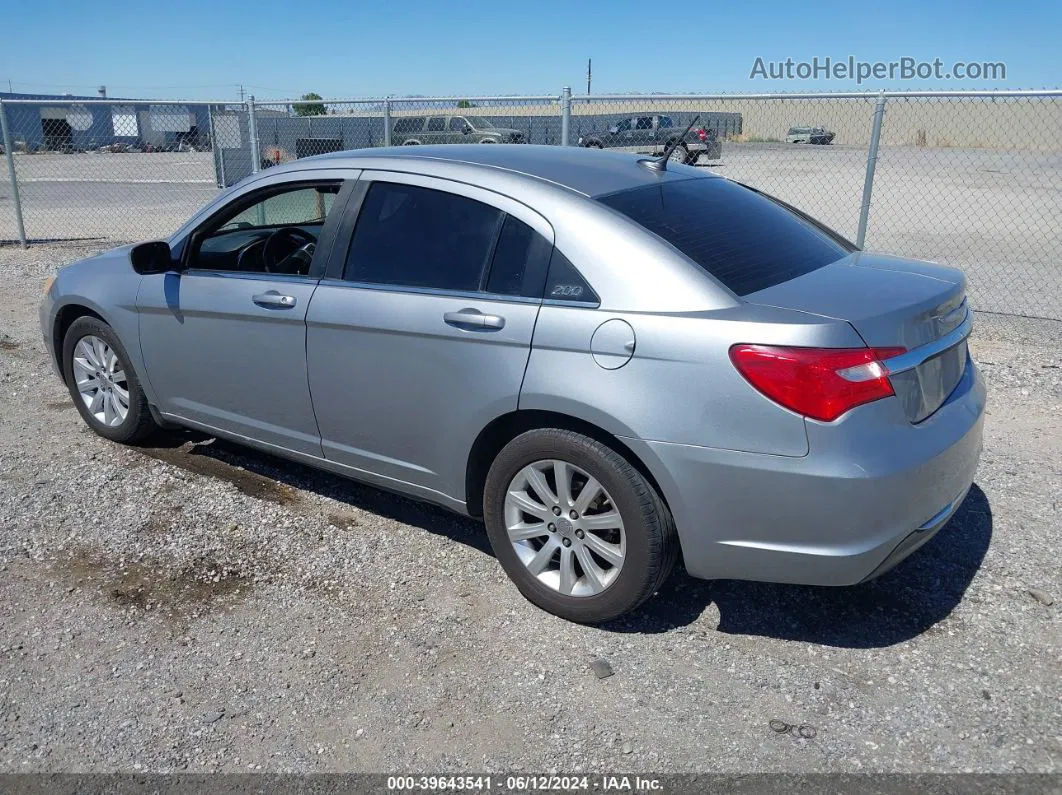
(651, 134)
(809, 135)
(415, 130)
(608, 359)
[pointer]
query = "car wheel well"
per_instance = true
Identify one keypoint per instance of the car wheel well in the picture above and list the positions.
(502, 430)
(64, 318)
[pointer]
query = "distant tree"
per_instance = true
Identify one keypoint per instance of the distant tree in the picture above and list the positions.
(310, 108)
(464, 103)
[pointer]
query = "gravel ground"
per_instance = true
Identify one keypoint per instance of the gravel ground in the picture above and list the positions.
(199, 607)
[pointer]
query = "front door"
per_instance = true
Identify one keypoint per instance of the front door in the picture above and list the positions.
(458, 130)
(421, 335)
(224, 337)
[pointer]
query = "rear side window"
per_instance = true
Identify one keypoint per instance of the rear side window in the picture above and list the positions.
(417, 237)
(745, 240)
(436, 124)
(409, 124)
(521, 256)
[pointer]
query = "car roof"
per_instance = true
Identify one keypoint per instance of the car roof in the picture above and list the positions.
(586, 171)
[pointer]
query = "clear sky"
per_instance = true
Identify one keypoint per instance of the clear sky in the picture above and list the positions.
(361, 48)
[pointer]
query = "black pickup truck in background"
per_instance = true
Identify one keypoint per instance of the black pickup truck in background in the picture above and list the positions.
(651, 134)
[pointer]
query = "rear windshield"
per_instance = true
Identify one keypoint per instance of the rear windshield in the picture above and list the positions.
(744, 239)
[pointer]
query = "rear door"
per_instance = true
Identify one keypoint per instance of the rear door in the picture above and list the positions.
(407, 130)
(436, 132)
(420, 334)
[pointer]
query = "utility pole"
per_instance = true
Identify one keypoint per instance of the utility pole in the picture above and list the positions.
(588, 74)
(241, 92)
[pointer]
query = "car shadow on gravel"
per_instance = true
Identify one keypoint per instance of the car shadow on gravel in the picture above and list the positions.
(278, 480)
(913, 598)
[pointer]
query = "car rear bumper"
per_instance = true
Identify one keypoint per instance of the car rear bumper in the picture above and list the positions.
(872, 489)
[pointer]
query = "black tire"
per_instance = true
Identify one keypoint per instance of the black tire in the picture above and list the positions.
(680, 152)
(138, 423)
(651, 541)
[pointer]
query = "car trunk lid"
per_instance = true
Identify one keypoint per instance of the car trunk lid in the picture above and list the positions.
(892, 302)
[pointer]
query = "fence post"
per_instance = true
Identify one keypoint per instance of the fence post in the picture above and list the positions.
(566, 114)
(215, 150)
(872, 161)
(252, 134)
(14, 179)
(387, 121)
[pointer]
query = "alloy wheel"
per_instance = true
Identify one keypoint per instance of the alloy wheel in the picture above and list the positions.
(565, 528)
(678, 154)
(101, 380)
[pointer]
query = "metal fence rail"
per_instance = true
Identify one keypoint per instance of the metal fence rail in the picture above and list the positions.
(972, 179)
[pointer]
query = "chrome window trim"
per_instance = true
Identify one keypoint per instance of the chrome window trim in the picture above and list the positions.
(499, 201)
(914, 358)
(250, 275)
(471, 295)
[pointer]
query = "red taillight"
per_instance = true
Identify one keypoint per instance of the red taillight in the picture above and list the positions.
(821, 383)
(702, 134)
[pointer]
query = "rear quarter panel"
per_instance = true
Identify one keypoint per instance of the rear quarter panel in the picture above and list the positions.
(679, 385)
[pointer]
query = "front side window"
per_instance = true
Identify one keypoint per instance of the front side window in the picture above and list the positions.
(623, 126)
(302, 206)
(665, 121)
(275, 231)
(744, 239)
(457, 124)
(644, 123)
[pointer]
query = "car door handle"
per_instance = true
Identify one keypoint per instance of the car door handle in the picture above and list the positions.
(474, 319)
(274, 299)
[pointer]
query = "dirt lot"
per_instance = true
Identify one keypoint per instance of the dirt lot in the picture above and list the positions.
(194, 606)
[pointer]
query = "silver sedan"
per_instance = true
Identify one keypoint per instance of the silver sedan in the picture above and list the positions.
(613, 361)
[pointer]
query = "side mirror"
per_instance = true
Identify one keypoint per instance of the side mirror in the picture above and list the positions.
(153, 257)
(466, 129)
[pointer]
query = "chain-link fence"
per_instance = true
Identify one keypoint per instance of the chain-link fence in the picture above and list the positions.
(972, 179)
